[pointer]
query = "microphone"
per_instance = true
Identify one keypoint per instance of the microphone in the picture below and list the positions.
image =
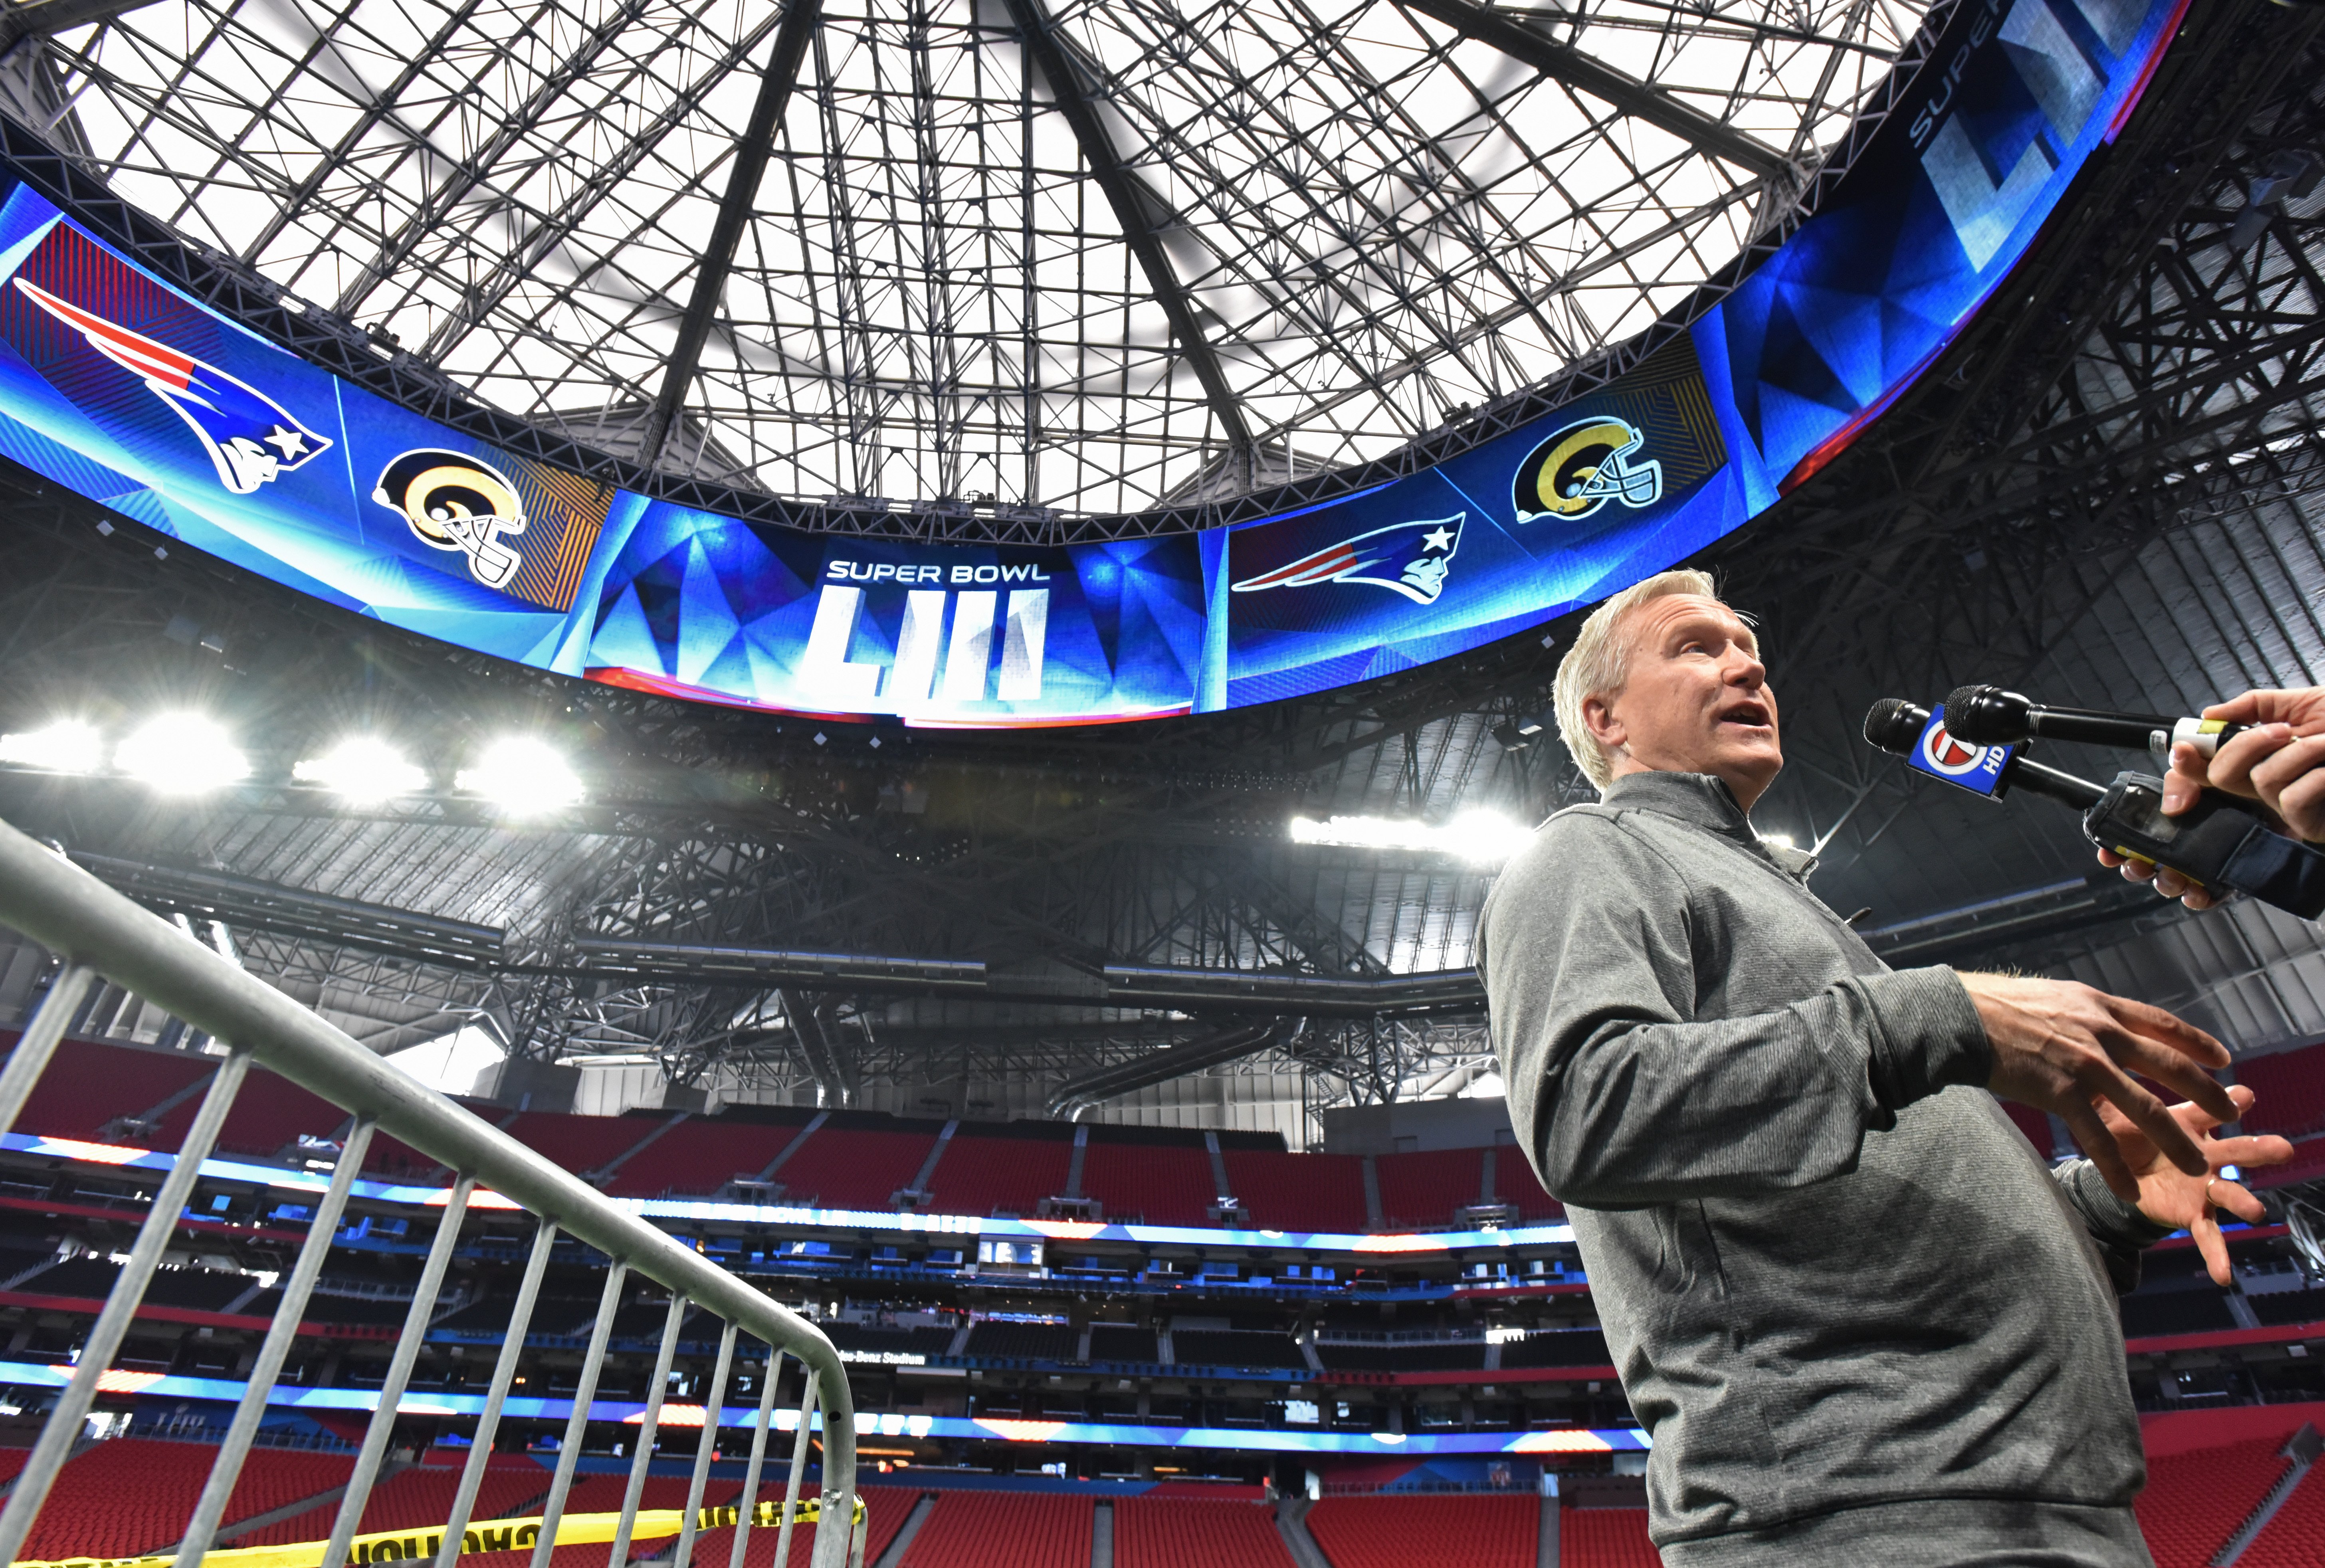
(1897, 726)
(1990, 716)
(2217, 843)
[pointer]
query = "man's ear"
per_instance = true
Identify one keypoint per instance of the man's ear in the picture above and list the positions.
(1598, 718)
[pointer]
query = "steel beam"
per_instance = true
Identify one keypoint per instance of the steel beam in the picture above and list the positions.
(751, 155)
(1135, 209)
(1640, 100)
(43, 18)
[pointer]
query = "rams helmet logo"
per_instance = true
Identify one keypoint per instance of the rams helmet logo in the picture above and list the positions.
(1581, 468)
(454, 502)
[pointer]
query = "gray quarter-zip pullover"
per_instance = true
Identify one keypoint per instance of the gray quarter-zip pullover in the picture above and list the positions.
(1855, 1311)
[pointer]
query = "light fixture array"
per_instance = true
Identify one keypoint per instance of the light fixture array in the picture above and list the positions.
(1482, 836)
(192, 753)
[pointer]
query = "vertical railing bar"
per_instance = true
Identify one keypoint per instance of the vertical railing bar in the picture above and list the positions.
(858, 1531)
(799, 1467)
(750, 1498)
(480, 1446)
(618, 1556)
(585, 1393)
(684, 1556)
(30, 1058)
(274, 1349)
(399, 1372)
(56, 1441)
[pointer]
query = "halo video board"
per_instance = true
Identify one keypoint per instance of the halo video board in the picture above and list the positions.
(134, 395)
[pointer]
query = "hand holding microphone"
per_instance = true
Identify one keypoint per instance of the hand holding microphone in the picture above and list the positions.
(2275, 754)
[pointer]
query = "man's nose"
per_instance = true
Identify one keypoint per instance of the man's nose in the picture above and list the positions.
(1743, 669)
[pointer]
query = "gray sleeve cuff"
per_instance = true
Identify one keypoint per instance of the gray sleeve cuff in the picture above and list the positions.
(2112, 1222)
(2122, 1232)
(1930, 1036)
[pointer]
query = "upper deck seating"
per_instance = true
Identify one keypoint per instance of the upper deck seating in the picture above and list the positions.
(988, 1175)
(1159, 1183)
(1286, 1191)
(698, 1157)
(854, 1168)
(89, 1084)
(1424, 1190)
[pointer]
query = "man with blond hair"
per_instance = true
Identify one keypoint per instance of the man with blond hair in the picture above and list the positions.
(1863, 1323)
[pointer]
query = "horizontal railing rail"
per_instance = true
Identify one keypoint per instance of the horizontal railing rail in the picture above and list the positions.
(105, 938)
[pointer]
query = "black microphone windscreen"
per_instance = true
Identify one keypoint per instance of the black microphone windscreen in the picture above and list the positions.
(1986, 716)
(1894, 725)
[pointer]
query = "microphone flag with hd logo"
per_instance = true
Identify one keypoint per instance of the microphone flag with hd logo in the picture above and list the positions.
(454, 502)
(1976, 768)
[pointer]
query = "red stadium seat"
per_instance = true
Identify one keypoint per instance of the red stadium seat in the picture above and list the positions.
(134, 1495)
(1387, 1531)
(1160, 1183)
(885, 1510)
(2295, 1539)
(1514, 1182)
(88, 1084)
(854, 1168)
(1419, 1190)
(1003, 1530)
(1286, 1191)
(416, 1500)
(2194, 1501)
(1177, 1532)
(2288, 1090)
(581, 1143)
(1605, 1538)
(699, 1157)
(980, 1175)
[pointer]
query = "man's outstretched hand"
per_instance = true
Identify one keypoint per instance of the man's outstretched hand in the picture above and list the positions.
(2170, 1196)
(2070, 1050)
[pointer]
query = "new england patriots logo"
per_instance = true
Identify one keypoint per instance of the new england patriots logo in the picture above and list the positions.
(1408, 558)
(250, 437)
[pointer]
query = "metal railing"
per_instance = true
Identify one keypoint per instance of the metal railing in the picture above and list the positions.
(104, 937)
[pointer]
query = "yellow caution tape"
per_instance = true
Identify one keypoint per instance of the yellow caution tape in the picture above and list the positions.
(487, 1536)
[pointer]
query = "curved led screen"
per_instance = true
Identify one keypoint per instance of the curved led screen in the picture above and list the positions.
(135, 397)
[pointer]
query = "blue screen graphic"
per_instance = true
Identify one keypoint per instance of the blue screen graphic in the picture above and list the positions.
(137, 397)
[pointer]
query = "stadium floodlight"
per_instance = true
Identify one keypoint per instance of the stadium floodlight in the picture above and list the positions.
(67, 746)
(363, 770)
(1485, 838)
(183, 753)
(522, 774)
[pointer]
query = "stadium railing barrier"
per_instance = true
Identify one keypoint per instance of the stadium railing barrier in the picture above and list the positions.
(102, 937)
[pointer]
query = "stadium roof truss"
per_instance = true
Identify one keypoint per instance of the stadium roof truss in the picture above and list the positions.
(1088, 257)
